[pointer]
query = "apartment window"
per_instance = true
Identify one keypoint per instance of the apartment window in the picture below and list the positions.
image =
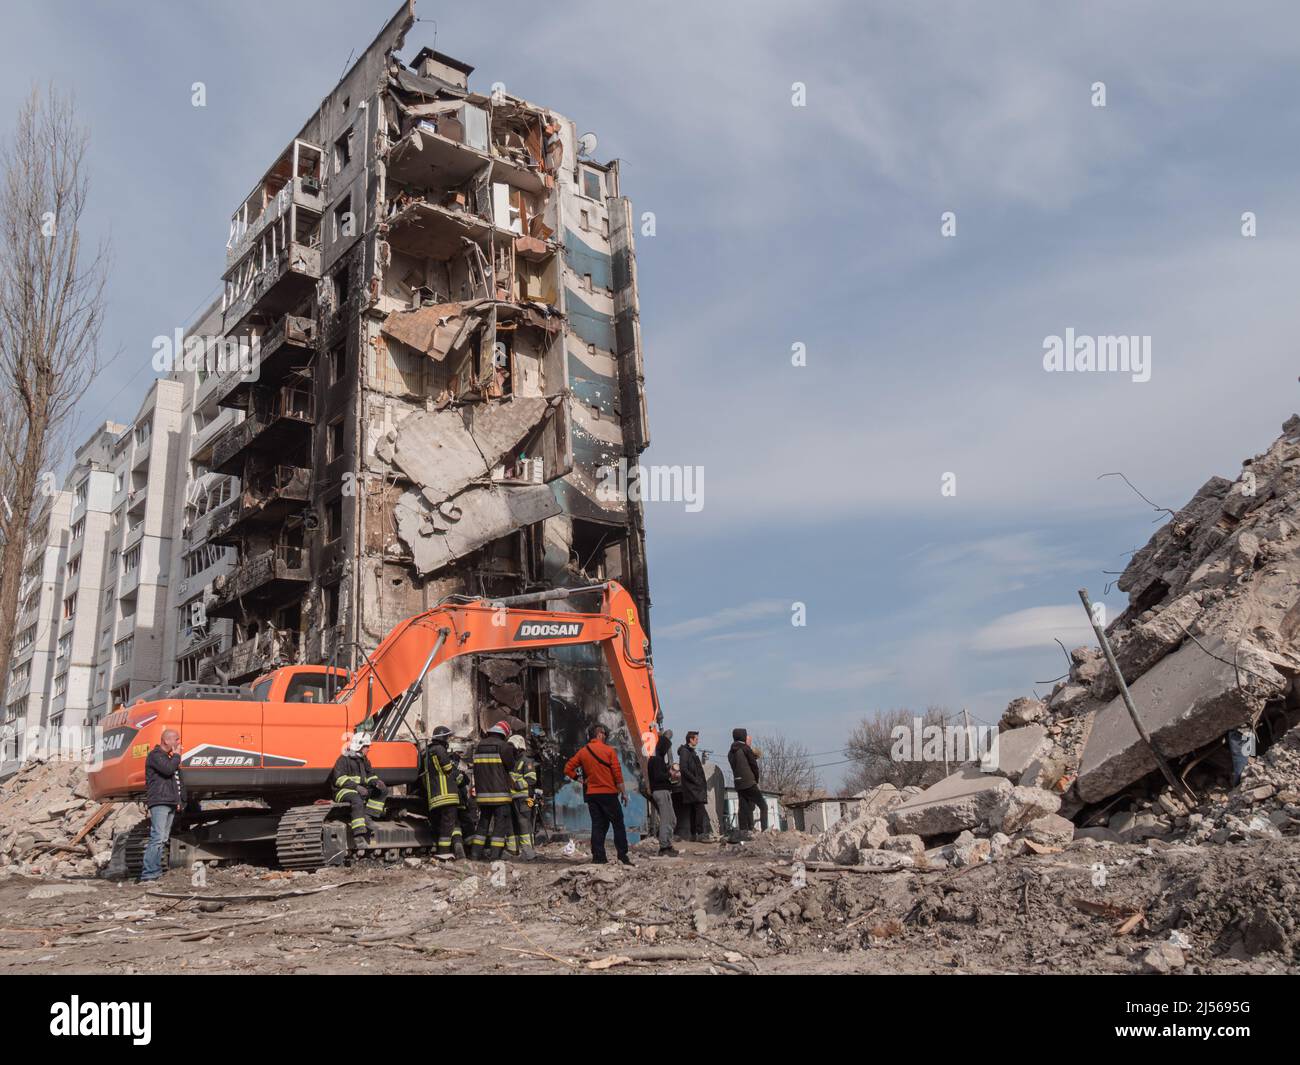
(341, 284)
(122, 650)
(131, 560)
(334, 442)
(61, 684)
(343, 151)
(74, 567)
(101, 678)
(593, 184)
(78, 528)
(334, 520)
(65, 646)
(338, 360)
(120, 695)
(332, 604)
(142, 432)
(82, 491)
(69, 606)
(586, 220)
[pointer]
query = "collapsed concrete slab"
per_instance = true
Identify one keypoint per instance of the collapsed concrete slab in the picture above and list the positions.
(1185, 701)
(437, 538)
(959, 801)
(1147, 643)
(443, 451)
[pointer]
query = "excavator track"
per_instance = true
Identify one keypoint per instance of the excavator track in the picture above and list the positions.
(137, 838)
(306, 839)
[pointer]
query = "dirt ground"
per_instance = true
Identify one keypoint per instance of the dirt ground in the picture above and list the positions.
(718, 908)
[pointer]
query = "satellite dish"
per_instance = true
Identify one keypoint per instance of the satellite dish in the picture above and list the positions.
(586, 144)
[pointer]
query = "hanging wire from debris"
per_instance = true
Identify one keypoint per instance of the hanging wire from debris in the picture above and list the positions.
(1155, 507)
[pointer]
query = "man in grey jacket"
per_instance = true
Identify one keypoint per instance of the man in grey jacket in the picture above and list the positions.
(164, 794)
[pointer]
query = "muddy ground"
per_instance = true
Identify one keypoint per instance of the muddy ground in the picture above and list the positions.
(718, 908)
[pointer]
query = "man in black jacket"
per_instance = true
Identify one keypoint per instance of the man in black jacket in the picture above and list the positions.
(695, 789)
(744, 771)
(661, 788)
(164, 794)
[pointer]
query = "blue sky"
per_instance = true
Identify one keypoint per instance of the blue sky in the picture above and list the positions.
(818, 225)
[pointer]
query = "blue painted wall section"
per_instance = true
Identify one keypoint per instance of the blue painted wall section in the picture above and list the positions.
(584, 259)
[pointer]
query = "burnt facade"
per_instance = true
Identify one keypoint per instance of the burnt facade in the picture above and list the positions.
(440, 291)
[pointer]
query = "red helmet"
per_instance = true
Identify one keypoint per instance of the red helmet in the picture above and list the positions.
(503, 727)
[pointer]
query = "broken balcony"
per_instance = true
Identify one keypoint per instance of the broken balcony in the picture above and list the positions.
(280, 417)
(268, 497)
(248, 659)
(284, 348)
(261, 583)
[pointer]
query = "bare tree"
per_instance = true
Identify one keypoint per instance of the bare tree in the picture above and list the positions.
(786, 767)
(51, 311)
(871, 746)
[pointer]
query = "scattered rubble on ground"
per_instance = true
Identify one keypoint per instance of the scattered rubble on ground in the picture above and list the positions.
(1064, 851)
(49, 824)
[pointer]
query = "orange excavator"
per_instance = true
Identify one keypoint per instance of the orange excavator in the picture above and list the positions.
(273, 743)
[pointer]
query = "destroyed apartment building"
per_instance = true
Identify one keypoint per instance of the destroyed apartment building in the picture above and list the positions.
(440, 289)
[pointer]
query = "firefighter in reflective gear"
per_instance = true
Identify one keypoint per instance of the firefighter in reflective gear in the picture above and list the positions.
(494, 758)
(438, 774)
(466, 807)
(523, 778)
(356, 784)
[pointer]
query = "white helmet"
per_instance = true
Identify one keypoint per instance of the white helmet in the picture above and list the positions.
(517, 742)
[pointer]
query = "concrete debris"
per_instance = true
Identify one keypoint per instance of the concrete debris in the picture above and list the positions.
(438, 537)
(1023, 711)
(1016, 750)
(962, 800)
(443, 451)
(1016, 807)
(50, 827)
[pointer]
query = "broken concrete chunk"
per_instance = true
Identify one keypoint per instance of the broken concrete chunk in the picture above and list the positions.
(489, 513)
(959, 801)
(1017, 807)
(1014, 750)
(1023, 711)
(1149, 642)
(1186, 700)
(1051, 830)
(905, 844)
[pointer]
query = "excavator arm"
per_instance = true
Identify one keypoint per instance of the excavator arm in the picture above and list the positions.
(385, 687)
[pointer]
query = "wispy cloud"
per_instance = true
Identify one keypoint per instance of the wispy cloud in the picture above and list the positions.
(723, 622)
(1038, 626)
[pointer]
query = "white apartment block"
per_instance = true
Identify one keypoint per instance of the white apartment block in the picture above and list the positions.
(131, 613)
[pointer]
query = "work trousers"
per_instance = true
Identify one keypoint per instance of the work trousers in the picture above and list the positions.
(494, 824)
(667, 817)
(606, 812)
(445, 825)
(696, 819)
(751, 799)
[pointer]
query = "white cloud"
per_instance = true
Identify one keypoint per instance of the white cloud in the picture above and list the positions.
(1038, 626)
(725, 620)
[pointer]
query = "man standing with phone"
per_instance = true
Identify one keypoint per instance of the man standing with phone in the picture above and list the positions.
(164, 795)
(602, 780)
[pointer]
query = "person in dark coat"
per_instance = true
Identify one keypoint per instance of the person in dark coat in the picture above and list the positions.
(745, 773)
(164, 794)
(695, 789)
(661, 789)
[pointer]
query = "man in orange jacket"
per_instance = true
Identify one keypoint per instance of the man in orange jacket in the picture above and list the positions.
(602, 787)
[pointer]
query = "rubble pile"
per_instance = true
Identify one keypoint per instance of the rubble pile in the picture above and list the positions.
(49, 824)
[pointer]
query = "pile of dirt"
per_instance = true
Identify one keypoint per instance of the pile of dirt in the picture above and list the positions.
(49, 824)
